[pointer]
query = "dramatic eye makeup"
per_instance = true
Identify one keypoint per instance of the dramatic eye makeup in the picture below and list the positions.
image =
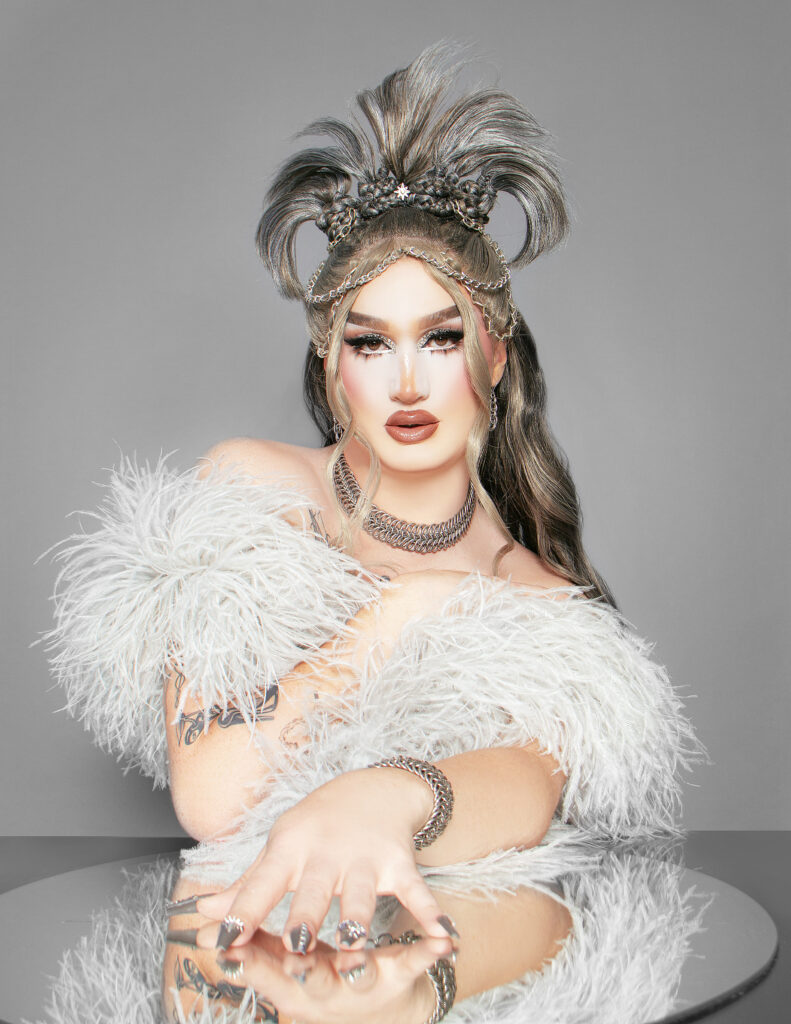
(447, 338)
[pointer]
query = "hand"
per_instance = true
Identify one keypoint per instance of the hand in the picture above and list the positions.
(352, 838)
(386, 986)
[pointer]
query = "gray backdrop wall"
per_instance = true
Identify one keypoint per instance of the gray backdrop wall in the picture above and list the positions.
(137, 141)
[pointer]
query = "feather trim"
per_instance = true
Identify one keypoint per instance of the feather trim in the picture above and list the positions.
(206, 573)
(633, 918)
(499, 666)
(210, 573)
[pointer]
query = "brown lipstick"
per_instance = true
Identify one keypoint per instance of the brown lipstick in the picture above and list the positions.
(411, 426)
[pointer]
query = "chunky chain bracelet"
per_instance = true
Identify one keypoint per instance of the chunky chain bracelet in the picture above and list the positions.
(442, 974)
(443, 795)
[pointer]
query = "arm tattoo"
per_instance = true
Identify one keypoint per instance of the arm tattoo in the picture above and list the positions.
(189, 976)
(190, 727)
(294, 734)
(178, 683)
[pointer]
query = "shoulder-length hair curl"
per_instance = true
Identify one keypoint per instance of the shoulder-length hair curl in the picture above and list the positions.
(410, 125)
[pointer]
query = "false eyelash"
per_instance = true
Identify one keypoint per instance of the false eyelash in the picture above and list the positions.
(441, 334)
(445, 334)
(365, 339)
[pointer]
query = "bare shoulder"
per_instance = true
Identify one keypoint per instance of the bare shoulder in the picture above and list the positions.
(525, 568)
(264, 461)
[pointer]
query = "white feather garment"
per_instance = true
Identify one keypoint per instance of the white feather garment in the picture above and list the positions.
(207, 570)
(632, 922)
(210, 569)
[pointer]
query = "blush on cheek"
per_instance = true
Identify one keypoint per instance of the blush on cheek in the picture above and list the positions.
(353, 378)
(450, 381)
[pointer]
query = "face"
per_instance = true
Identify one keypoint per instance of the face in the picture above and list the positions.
(403, 370)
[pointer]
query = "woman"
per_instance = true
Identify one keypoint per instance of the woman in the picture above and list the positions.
(298, 598)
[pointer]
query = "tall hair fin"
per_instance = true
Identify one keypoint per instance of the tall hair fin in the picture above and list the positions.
(411, 128)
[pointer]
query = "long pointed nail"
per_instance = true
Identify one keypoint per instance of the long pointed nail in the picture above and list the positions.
(184, 936)
(231, 928)
(351, 974)
(186, 906)
(232, 968)
(448, 925)
(300, 938)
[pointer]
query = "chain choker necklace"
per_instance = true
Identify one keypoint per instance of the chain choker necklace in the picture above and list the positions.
(421, 537)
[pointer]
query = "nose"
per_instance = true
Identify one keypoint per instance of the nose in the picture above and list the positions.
(409, 383)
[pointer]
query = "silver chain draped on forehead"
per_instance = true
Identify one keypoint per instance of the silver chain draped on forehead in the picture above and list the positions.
(442, 263)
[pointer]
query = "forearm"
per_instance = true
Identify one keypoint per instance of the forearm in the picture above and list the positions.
(217, 771)
(504, 797)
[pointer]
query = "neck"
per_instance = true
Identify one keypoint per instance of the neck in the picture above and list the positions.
(416, 496)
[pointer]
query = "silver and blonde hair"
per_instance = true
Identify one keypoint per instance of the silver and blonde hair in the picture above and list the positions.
(412, 130)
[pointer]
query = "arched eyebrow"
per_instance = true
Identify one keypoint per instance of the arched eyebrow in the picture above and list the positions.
(363, 320)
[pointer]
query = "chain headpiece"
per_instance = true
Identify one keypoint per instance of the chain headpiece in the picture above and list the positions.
(442, 262)
(438, 191)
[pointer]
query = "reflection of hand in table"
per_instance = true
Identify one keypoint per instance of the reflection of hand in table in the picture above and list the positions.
(504, 939)
(393, 987)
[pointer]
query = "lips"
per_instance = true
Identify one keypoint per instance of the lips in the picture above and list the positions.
(409, 427)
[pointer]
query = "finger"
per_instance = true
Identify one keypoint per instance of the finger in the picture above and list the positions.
(416, 897)
(217, 905)
(356, 969)
(312, 897)
(357, 907)
(254, 900)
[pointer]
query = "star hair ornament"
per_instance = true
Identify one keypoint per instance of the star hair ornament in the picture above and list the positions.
(423, 167)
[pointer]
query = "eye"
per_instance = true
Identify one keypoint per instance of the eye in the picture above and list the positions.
(444, 339)
(368, 345)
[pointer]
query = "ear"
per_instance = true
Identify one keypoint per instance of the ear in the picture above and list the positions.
(500, 358)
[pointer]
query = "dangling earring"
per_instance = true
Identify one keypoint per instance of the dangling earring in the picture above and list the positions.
(492, 410)
(337, 430)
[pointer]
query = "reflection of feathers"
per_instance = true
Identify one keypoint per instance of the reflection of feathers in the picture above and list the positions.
(632, 924)
(113, 975)
(210, 569)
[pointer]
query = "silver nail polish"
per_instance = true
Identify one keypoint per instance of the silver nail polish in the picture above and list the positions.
(300, 938)
(350, 931)
(353, 973)
(185, 906)
(231, 968)
(183, 936)
(231, 928)
(448, 925)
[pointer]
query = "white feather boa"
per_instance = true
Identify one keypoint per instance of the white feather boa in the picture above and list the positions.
(211, 570)
(632, 922)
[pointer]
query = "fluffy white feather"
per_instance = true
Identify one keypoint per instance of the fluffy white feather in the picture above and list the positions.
(210, 571)
(206, 571)
(632, 919)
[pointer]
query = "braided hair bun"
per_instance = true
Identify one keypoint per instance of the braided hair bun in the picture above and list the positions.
(415, 145)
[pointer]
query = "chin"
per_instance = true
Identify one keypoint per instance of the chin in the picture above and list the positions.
(418, 457)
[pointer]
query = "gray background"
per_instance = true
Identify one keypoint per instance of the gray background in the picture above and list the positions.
(137, 141)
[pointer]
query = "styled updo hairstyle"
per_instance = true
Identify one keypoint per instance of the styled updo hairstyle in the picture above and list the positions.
(427, 170)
